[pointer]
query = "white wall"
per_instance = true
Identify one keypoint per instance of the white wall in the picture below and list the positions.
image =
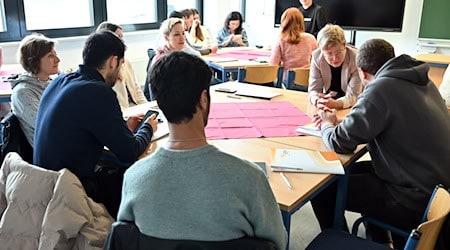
(215, 13)
(259, 25)
(69, 51)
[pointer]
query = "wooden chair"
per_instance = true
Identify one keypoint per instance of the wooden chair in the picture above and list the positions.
(297, 79)
(421, 238)
(269, 75)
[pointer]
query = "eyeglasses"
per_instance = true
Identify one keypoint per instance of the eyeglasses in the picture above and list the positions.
(338, 53)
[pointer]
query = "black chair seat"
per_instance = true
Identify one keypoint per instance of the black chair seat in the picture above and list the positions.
(334, 239)
(126, 235)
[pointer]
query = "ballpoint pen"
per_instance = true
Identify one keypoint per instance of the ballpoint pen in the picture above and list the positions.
(234, 97)
(285, 180)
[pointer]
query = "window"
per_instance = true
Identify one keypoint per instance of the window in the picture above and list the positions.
(55, 14)
(180, 5)
(2, 17)
(131, 11)
(63, 18)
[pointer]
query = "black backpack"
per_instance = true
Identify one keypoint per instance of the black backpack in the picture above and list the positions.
(12, 139)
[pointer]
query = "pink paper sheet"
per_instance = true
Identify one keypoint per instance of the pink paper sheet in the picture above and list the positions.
(254, 120)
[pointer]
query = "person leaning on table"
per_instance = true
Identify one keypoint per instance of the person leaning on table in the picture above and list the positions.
(333, 80)
(184, 187)
(402, 118)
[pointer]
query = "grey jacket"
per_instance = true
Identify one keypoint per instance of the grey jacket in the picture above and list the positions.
(25, 98)
(405, 122)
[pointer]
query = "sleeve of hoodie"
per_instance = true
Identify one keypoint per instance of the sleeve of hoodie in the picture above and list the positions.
(364, 122)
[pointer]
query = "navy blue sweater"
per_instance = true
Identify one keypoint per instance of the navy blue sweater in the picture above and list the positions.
(78, 115)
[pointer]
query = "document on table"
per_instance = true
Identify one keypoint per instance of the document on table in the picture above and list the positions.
(304, 160)
(309, 129)
(262, 94)
(221, 59)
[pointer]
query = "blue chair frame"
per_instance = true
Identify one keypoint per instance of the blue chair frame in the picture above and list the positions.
(335, 239)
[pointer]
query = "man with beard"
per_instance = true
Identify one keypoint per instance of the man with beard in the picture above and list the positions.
(188, 188)
(79, 115)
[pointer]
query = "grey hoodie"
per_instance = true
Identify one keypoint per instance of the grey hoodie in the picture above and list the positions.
(25, 98)
(404, 121)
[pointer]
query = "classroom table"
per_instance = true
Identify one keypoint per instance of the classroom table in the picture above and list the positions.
(229, 60)
(438, 63)
(305, 186)
(5, 87)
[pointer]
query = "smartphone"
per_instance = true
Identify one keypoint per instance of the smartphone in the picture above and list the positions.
(147, 115)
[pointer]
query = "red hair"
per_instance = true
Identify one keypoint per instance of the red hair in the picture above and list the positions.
(292, 25)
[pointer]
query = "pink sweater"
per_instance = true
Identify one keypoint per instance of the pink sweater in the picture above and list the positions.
(294, 55)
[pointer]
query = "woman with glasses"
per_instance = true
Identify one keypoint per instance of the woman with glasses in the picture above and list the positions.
(334, 81)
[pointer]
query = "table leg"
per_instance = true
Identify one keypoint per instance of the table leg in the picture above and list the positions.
(341, 193)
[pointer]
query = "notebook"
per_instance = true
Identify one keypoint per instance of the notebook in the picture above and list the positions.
(304, 160)
(262, 94)
(308, 129)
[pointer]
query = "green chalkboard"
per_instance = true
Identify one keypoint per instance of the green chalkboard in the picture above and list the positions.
(435, 21)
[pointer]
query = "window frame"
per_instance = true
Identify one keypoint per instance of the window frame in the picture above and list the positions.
(16, 25)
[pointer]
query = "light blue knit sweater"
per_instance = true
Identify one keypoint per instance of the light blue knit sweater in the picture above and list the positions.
(201, 194)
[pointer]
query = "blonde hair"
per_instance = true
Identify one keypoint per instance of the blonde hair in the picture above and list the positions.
(331, 35)
(168, 24)
(292, 25)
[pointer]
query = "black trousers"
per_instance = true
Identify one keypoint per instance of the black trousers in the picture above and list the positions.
(368, 195)
(105, 187)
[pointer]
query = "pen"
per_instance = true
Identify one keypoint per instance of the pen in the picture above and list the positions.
(234, 97)
(278, 169)
(285, 180)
